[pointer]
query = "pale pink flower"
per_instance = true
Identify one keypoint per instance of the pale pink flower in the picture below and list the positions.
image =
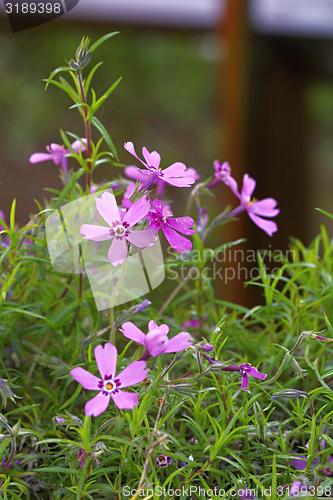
(120, 227)
(110, 385)
(156, 341)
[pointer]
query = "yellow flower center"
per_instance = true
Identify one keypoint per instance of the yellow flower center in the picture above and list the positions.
(109, 386)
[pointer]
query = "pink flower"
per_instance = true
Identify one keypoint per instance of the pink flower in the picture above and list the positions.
(58, 154)
(258, 211)
(110, 384)
(246, 370)
(221, 171)
(160, 217)
(120, 227)
(156, 341)
(176, 175)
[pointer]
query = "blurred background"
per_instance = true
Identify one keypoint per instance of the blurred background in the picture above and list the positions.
(245, 81)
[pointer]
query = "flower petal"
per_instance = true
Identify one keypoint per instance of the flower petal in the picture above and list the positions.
(79, 145)
(131, 331)
(268, 226)
(125, 400)
(249, 185)
(135, 373)
(40, 157)
(253, 372)
(153, 159)
(107, 207)
(265, 207)
(95, 233)
(179, 343)
(134, 173)
(142, 239)
(175, 240)
(182, 224)
(137, 212)
(85, 378)
(118, 252)
(106, 359)
(129, 146)
(152, 325)
(245, 382)
(97, 405)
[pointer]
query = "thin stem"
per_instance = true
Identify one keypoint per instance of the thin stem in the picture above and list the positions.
(288, 354)
(112, 326)
(87, 128)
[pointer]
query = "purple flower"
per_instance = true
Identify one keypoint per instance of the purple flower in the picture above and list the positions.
(246, 494)
(296, 488)
(211, 361)
(160, 217)
(206, 347)
(299, 462)
(176, 175)
(258, 211)
(246, 370)
(120, 229)
(59, 420)
(163, 461)
(156, 341)
(110, 385)
(191, 323)
(58, 154)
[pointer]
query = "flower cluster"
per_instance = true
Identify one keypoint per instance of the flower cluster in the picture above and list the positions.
(136, 222)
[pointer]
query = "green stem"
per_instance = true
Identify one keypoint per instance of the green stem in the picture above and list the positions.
(87, 128)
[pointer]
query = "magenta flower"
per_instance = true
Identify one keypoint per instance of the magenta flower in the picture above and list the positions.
(176, 175)
(58, 154)
(221, 172)
(136, 174)
(110, 385)
(160, 217)
(156, 341)
(120, 227)
(258, 211)
(246, 370)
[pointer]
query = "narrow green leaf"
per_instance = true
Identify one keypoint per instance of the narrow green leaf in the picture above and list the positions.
(102, 40)
(106, 136)
(95, 107)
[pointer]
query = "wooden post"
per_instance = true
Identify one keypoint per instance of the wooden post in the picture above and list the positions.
(234, 84)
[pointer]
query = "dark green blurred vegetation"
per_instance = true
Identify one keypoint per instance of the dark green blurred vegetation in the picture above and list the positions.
(167, 100)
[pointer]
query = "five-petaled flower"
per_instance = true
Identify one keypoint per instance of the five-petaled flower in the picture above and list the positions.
(110, 385)
(176, 175)
(258, 211)
(156, 341)
(160, 217)
(58, 153)
(246, 370)
(120, 229)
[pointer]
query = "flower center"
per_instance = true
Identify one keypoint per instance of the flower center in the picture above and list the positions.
(109, 385)
(119, 230)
